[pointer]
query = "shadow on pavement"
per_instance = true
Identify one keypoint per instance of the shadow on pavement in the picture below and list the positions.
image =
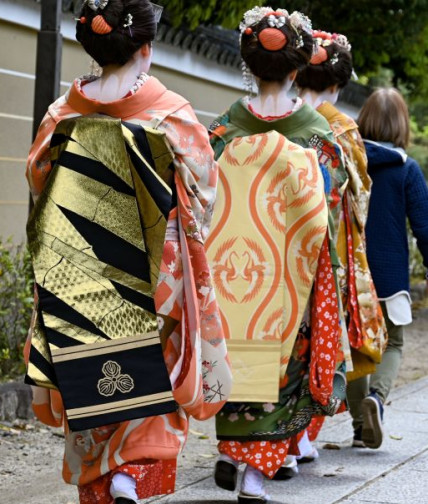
(212, 501)
(206, 501)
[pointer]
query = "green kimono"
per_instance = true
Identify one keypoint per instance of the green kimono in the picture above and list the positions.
(293, 412)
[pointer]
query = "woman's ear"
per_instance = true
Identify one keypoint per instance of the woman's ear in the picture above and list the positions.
(292, 75)
(146, 55)
(146, 50)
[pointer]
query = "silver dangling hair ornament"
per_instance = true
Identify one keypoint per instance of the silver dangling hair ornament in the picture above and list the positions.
(95, 69)
(128, 23)
(248, 79)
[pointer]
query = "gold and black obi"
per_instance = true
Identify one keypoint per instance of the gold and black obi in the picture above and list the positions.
(96, 237)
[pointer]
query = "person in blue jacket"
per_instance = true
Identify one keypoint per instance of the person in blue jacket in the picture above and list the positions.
(399, 192)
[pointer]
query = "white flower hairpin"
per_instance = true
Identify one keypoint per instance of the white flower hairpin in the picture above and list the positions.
(277, 19)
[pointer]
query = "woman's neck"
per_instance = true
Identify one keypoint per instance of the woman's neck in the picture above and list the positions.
(315, 99)
(272, 99)
(116, 81)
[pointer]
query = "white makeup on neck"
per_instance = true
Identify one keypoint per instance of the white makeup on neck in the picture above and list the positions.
(315, 98)
(273, 98)
(116, 81)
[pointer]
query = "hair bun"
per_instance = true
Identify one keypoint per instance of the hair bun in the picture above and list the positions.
(272, 39)
(100, 26)
(319, 57)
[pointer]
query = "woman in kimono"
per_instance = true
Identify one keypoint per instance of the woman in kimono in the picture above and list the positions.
(319, 83)
(133, 459)
(272, 256)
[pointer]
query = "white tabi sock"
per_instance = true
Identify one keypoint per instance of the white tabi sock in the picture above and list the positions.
(306, 448)
(124, 486)
(291, 463)
(253, 482)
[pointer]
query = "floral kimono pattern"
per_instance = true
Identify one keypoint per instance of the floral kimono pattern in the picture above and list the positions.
(194, 351)
(255, 431)
(366, 329)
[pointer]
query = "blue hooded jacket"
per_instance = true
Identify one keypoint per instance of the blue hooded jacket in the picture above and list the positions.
(399, 191)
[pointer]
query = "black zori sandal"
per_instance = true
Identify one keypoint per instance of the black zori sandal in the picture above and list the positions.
(123, 500)
(225, 475)
(284, 473)
(244, 498)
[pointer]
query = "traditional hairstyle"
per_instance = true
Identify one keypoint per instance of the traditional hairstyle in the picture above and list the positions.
(330, 65)
(274, 43)
(385, 118)
(111, 31)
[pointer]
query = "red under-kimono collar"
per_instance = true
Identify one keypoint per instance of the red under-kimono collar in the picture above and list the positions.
(143, 99)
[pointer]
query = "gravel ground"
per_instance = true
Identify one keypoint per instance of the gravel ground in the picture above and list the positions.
(31, 453)
(415, 355)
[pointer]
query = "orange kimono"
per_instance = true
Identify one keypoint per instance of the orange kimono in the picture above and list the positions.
(195, 352)
(366, 328)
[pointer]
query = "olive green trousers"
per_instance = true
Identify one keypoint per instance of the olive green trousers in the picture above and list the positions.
(386, 372)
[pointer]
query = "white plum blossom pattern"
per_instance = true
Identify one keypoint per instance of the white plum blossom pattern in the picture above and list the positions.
(114, 380)
(268, 407)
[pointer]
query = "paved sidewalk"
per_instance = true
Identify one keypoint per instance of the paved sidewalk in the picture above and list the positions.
(394, 474)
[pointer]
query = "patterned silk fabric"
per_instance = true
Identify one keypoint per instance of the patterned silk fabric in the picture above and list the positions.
(257, 422)
(189, 322)
(270, 222)
(96, 236)
(366, 329)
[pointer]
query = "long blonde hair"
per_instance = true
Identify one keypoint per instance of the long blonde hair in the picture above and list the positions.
(385, 118)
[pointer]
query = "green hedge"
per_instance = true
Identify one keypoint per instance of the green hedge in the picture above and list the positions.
(16, 302)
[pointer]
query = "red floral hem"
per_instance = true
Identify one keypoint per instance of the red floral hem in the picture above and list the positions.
(153, 477)
(265, 456)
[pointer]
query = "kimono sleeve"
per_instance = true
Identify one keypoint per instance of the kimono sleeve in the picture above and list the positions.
(38, 163)
(47, 404)
(199, 365)
(195, 164)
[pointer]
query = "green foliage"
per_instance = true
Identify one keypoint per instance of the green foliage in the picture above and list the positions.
(383, 33)
(419, 145)
(417, 268)
(192, 13)
(16, 301)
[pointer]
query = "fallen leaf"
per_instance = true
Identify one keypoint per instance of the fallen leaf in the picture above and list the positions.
(20, 425)
(331, 446)
(204, 436)
(9, 430)
(397, 438)
(196, 433)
